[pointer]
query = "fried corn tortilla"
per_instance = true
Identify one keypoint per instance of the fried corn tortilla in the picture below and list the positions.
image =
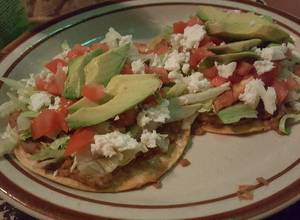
(134, 175)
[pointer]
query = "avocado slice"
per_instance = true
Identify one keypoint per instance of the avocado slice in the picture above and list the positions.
(102, 68)
(208, 13)
(176, 90)
(236, 47)
(240, 26)
(226, 58)
(75, 79)
(126, 90)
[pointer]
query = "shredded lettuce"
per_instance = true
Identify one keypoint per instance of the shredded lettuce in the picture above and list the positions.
(236, 112)
(23, 123)
(286, 120)
(24, 135)
(14, 84)
(203, 96)
(29, 114)
(176, 90)
(53, 151)
(8, 140)
(7, 108)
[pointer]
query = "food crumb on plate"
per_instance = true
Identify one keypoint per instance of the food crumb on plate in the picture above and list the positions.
(245, 192)
(184, 162)
(262, 180)
(157, 184)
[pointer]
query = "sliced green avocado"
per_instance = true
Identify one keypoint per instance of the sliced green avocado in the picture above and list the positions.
(208, 13)
(226, 58)
(102, 68)
(240, 26)
(176, 90)
(236, 47)
(127, 91)
(75, 79)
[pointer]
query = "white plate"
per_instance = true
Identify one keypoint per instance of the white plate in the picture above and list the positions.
(207, 188)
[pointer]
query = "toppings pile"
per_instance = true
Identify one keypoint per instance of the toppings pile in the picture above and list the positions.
(94, 109)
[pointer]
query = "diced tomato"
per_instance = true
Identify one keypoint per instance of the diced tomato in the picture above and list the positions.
(150, 101)
(48, 123)
(178, 27)
(269, 77)
(224, 100)
(211, 72)
(53, 84)
(126, 119)
(93, 92)
(54, 64)
(218, 80)
(194, 20)
(297, 69)
(64, 104)
(81, 139)
(162, 47)
(102, 46)
(243, 68)
(197, 55)
(77, 50)
(209, 41)
(142, 48)
(281, 91)
(292, 83)
(160, 71)
(127, 69)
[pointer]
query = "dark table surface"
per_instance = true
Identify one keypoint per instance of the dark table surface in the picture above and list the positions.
(292, 7)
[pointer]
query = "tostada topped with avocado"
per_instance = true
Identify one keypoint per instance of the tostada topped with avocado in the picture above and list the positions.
(117, 115)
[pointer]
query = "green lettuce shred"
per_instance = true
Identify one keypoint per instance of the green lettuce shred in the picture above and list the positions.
(14, 84)
(286, 120)
(8, 140)
(236, 112)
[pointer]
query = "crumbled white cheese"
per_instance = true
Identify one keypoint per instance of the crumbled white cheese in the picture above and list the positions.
(30, 82)
(185, 68)
(117, 118)
(226, 70)
(273, 53)
(196, 82)
(127, 39)
(192, 36)
(138, 66)
(156, 61)
(254, 89)
(175, 76)
(154, 139)
(74, 164)
(157, 114)
(38, 100)
(293, 50)
(176, 40)
(269, 100)
(110, 144)
(174, 60)
(56, 104)
(65, 69)
(263, 66)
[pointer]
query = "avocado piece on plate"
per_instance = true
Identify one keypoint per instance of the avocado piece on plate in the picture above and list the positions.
(75, 79)
(102, 68)
(227, 58)
(84, 102)
(236, 47)
(240, 26)
(126, 91)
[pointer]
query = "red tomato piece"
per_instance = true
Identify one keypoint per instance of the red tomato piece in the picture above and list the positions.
(126, 119)
(197, 55)
(218, 80)
(224, 100)
(281, 91)
(161, 72)
(194, 20)
(102, 46)
(178, 27)
(209, 41)
(243, 68)
(64, 104)
(81, 139)
(292, 83)
(54, 64)
(77, 50)
(211, 72)
(150, 101)
(48, 123)
(93, 92)
(297, 69)
(127, 69)
(269, 77)
(54, 84)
